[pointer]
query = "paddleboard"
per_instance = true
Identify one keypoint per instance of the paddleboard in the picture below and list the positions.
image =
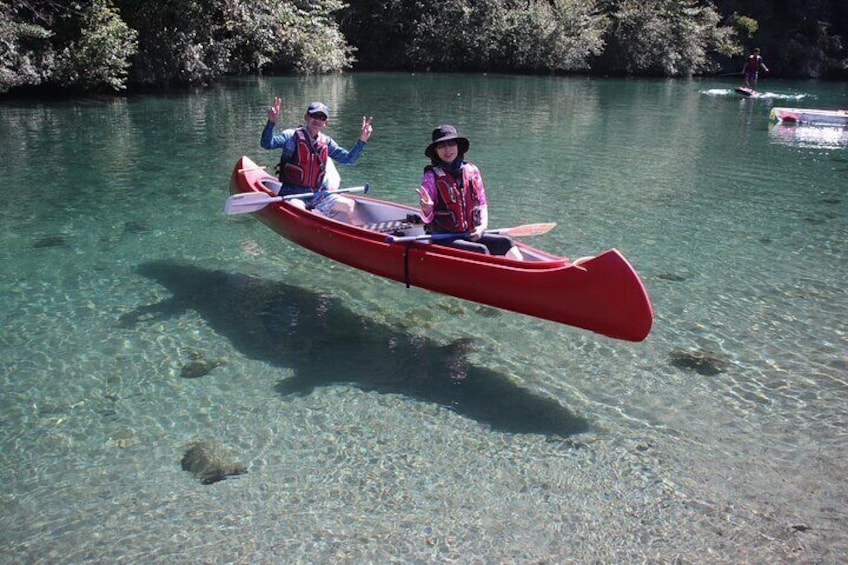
(745, 91)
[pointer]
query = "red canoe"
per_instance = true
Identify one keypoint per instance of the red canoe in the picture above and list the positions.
(602, 294)
(810, 116)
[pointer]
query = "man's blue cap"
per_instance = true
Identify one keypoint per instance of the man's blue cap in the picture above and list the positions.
(318, 108)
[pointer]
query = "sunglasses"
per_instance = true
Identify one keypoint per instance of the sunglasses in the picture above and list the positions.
(320, 117)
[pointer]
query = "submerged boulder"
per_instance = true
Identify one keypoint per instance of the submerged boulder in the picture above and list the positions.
(210, 462)
(199, 368)
(702, 361)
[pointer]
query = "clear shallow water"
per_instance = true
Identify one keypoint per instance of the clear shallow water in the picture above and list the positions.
(457, 432)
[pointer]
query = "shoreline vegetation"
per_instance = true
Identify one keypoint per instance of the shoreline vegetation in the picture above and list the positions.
(48, 49)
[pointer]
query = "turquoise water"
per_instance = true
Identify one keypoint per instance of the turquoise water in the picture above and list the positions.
(384, 424)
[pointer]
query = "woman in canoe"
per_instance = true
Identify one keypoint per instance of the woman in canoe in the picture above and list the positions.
(305, 153)
(453, 198)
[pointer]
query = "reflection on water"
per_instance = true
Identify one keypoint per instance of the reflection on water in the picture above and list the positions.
(809, 137)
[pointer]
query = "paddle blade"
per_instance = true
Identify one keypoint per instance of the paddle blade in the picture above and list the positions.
(246, 202)
(527, 229)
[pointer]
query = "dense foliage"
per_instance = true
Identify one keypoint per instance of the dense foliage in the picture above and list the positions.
(115, 44)
(197, 41)
(99, 55)
(108, 44)
(666, 37)
(475, 35)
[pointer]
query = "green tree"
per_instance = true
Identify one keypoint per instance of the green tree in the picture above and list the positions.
(566, 34)
(181, 42)
(197, 41)
(475, 35)
(799, 38)
(26, 55)
(665, 38)
(311, 41)
(100, 57)
(82, 45)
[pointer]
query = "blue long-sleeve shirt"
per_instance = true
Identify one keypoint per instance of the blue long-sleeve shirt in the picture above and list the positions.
(286, 141)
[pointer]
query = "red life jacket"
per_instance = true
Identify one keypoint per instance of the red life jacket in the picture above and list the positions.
(754, 62)
(458, 208)
(306, 165)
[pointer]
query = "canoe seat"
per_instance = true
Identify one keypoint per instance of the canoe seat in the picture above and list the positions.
(272, 185)
(388, 226)
(395, 226)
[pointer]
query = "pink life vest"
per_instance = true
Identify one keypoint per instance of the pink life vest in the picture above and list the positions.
(458, 208)
(306, 165)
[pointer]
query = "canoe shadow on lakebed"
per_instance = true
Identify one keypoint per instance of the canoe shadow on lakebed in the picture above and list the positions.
(325, 343)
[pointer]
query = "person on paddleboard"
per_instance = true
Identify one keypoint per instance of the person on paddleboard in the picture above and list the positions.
(453, 198)
(305, 152)
(752, 67)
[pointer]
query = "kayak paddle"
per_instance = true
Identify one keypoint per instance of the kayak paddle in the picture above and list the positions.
(526, 229)
(517, 231)
(245, 202)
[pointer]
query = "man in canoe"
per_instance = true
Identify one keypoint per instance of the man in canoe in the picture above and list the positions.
(453, 198)
(305, 152)
(752, 67)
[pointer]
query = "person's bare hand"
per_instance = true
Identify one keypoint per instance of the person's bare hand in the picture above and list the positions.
(426, 200)
(274, 110)
(477, 233)
(366, 130)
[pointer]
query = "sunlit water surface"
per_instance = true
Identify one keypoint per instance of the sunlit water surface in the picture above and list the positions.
(384, 424)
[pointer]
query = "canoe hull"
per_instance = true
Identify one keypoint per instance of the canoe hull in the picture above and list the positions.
(602, 294)
(810, 116)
